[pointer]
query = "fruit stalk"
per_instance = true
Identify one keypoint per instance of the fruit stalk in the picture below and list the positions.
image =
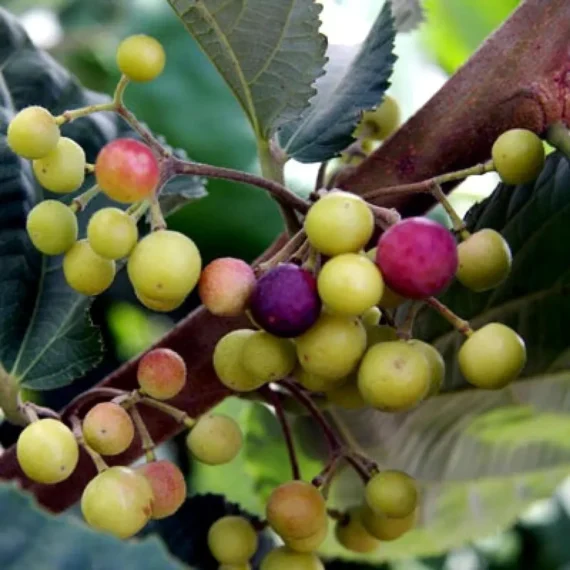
(98, 461)
(458, 223)
(147, 444)
(460, 324)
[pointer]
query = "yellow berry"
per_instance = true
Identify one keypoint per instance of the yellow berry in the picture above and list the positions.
(62, 170)
(112, 233)
(87, 272)
(141, 57)
(33, 132)
(52, 227)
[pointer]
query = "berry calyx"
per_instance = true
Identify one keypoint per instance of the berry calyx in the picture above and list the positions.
(283, 558)
(33, 132)
(141, 57)
(108, 428)
(112, 233)
(351, 533)
(52, 227)
(62, 170)
(161, 373)
(394, 376)
(332, 347)
(118, 501)
(417, 258)
(168, 487)
(267, 357)
(285, 301)
(215, 439)
(225, 286)
(340, 222)
(484, 260)
(164, 266)
(126, 170)
(436, 364)
(386, 528)
(296, 510)
(378, 124)
(47, 451)
(492, 356)
(518, 156)
(85, 271)
(350, 284)
(232, 540)
(392, 494)
(229, 365)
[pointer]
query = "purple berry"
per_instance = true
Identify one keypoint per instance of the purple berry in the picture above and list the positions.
(285, 301)
(417, 258)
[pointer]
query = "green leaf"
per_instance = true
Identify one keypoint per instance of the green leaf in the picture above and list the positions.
(483, 456)
(270, 53)
(32, 538)
(355, 81)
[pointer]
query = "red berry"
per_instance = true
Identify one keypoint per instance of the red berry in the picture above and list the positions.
(161, 373)
(417, 258)
(127, 170)
(285, 301)
(168, 487)
(226, 285)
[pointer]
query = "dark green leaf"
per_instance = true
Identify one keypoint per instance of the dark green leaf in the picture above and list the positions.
(32, 538)
(353, 82)
(269, 51)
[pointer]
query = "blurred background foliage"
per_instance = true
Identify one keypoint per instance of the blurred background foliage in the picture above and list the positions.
(192, 107)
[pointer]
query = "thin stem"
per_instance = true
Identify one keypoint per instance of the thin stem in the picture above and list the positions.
(138, 209)
(272, 399)
(157, 221)
(80, 203)
(276, 189)
(147, 442)
(120, 91)
(89, 168)
(558, 135)
(321, 173)
(328, 471)
(458, 224)
(460, 324)
(385, 217)
(285, 252)
(405, 331)
(179, 415)
(142, 131)
(95, 457)
(68, 116)
(427, 185)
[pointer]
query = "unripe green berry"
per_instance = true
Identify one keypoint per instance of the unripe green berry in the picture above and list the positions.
(386, 528)
(353, 536)
(484, 260)
(283, 558)
(158, 305)
(141, 57)
(52, 227)
(392, 494)
(347, 395)
(215, 439)
(492, 356)
(232, 540)
(381, 122)
(267, 357)
(436, 364)
(112, 233)
(33, 132)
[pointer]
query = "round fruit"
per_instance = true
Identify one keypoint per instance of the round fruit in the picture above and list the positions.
(285, 301)
(215, 439)
(518, 156)
(112, 233)
(108, 428)
(161, 373)
(392, 494)
(168, 487)
(47, 451)
(141, 57)
(380, 333)
(283, 558)
(157, 305)
(268, 358)
(492, 356)
(225, 286)
(333, 346)
(232, 540)
(62, 170)
(52, 227)
(349, 284)
(484, 260)
(353, 536)
(381, 122)
(126, 170)
(118, 501)
(436, 364)
(228, 362)
(296, 510)
(347, 395)
(85, 271)
(385, 528)
(371, 317)
(417, 258)
(340, 222)
(310, 543)
(165, 266)
(394, 376)
(33, 132)
(316, 383)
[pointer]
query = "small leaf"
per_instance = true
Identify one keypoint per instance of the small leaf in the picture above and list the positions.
(269, 52)
(353, 82)
(32, 538)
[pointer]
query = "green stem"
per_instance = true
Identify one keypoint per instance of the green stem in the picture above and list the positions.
(80, 203)
(558, 135)
(458, 223)
(179, 415)
(157, 221)
(68, 116)
(138, 209)
(460, 324)
(120, 91)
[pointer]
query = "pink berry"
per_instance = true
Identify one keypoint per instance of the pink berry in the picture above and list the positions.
(127, 170)
(417, 258)
(161, 373)
(285, 301)
(226, 285)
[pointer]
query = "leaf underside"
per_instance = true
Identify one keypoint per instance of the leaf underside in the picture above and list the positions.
(355, 80)
(269, 52)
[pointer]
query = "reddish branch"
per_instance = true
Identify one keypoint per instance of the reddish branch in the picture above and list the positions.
(519, 78)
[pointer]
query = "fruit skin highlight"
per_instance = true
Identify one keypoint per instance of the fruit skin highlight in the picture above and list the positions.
(285, 301)
(417, 258)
